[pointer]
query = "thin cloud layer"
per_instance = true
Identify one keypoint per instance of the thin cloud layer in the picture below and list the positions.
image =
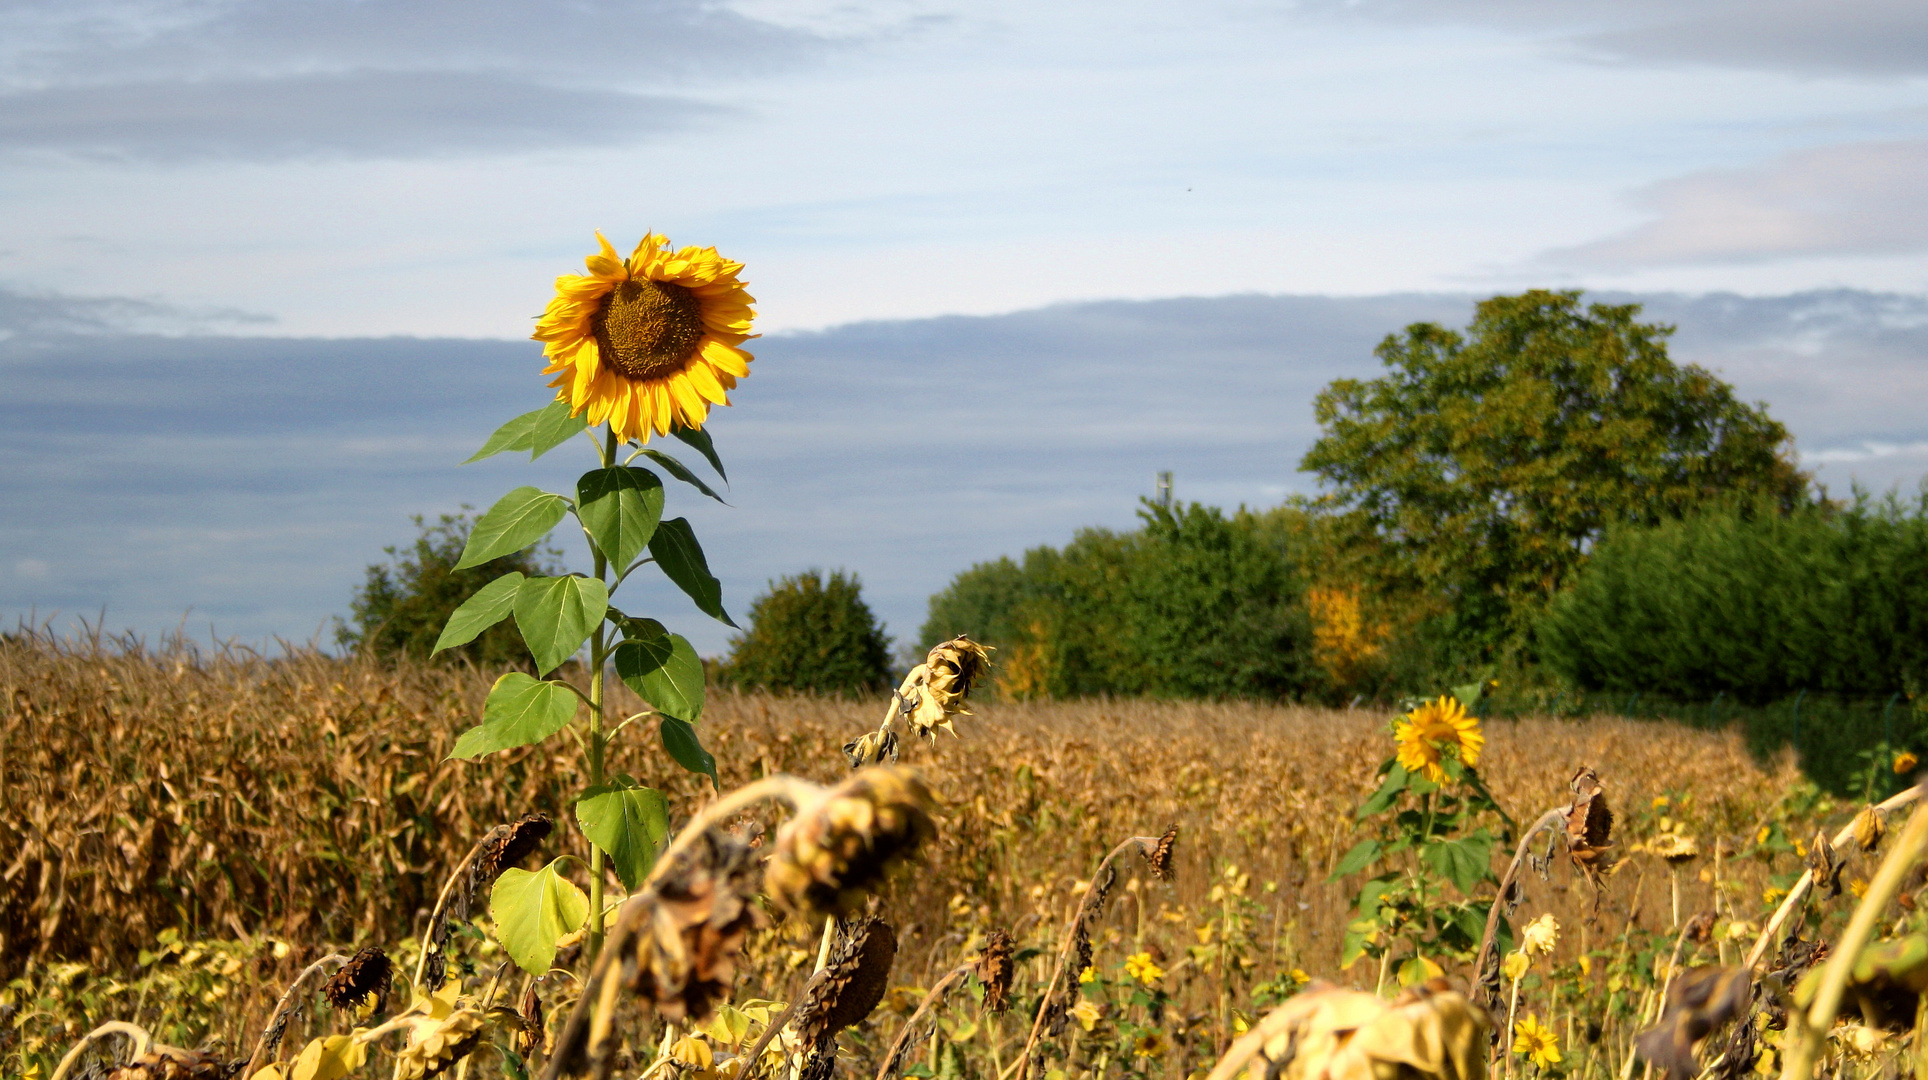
(182, 80)
(1854, 199)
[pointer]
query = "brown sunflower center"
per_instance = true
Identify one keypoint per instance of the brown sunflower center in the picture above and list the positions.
(647, 329)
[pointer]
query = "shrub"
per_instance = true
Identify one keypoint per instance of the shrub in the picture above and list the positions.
(814, 633)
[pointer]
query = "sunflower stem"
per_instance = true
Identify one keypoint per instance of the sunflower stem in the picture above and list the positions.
(598, 660)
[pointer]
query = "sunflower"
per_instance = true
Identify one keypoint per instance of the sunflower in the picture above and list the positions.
(1429, 732)
(650, 342)
(1536, 1041)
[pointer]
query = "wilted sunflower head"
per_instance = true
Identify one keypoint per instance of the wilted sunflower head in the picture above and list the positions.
(1540, 935)
(173, 1063)
(1674, 847)
(852, 983)
(995, 966)
(872, 748)
(828, 856)
(699, 912)
(437, 1045)
(364, 976)
(943, 681)
(1434, 731)
(1159, 859)
(1428, 1032)
(649, 342)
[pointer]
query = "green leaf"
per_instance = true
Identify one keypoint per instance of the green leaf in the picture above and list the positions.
(627, 820)
(517, 519)
(520, 711)
(553, 427)
(1371, 895)
(681, 558)
(700, 439)
(1464, 862)
(514, 435)
(490, 605)
(1362, 855)
(1396, 779)
(556, 615)
(679, 738)
(681, 472)
(534, 911)
(620, 507)
(662, 668)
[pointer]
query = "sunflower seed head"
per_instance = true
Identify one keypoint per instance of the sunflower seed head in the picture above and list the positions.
(852, 983)
(942, 683)
(1159, 858)
(872, 749)
(366, 975)
(174, 1063)
(1589, 827)
(832, 853)
(1869, 828)
(437, 1046)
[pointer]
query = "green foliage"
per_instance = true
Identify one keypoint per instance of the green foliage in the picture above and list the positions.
(402, 606)
(1485, 465)
(809, 632)
(1752, 604)
(533, 911)
(1193, 604)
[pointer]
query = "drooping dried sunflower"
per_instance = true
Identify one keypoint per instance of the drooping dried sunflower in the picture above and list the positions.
(1869, 828)
(1159, 858)
(1824, 866)
(852, 983)
(1675, 848)
(943, 681)
(506, 846)
(1697, 1003)
(174, 1063)
(700, 910)
(531, 1039)
(1589, 827)
(437, 1046)
(1430, 1032)
(831, 853)
(366, 975)
(995, 966)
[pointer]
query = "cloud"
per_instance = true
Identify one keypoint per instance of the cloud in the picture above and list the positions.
(386, 114)
(192, 79)
(1867, 451)
(1850, 199)
(35, 316)
(1863, 38)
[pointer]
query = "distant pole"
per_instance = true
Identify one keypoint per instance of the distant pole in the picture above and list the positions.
(1165, 490)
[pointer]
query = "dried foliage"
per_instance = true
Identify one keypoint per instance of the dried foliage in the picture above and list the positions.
(685, 952)
(366, 975)
(1699, 1002)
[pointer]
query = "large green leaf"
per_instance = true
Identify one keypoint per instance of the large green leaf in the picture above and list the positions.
(554, 426)
(1464, 861)
(700, 439)
(679, 738)
(627, 820)
(681, 558)
(490, 605)
(1397, 779)
(662, 668)
(537, 432)
(556, 614)
(532, 912)
(620, 507)
(681, 472)
(520, 711)
(517, 519)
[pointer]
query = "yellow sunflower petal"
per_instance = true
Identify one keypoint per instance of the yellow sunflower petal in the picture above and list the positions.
(702, 379)
(689, 404)
(727, 358)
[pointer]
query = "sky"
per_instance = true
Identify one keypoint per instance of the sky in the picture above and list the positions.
(267, 268)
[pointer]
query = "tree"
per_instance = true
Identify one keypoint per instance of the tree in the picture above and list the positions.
(1485, 466)
(400, 608)
(812, 633)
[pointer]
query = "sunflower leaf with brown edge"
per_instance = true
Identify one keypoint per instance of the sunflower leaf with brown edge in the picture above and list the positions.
(1698, 1002)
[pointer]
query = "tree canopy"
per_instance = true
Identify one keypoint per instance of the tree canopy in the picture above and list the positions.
(1485, 465)
(811, 632)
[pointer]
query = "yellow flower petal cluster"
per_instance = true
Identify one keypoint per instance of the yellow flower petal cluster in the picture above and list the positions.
(1141, 967)
(1540, 935)
(648, 342)
(1536, 1041)
(1434, 730)
(1515, 965)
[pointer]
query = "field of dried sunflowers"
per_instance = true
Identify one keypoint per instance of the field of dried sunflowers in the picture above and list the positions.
(243, 857)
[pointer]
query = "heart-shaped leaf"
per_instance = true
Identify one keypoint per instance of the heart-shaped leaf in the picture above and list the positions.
(534, 911)
(620, 508)
(517, 519)
(520, 711)
(556, 615)
(490, 605)
(627, 820)
(662, 668)
(681, 558)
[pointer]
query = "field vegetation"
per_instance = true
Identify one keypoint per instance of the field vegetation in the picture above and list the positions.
(189, 830)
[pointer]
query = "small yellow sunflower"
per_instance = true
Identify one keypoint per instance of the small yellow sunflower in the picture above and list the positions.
(648, 342)
(1140, 966)
(1536, 1041)
(1438, 727)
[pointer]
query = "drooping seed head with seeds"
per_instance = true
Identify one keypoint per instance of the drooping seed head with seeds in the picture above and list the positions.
(829, 856)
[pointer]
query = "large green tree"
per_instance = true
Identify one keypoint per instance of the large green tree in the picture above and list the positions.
(1485, 465)
(812, 632)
